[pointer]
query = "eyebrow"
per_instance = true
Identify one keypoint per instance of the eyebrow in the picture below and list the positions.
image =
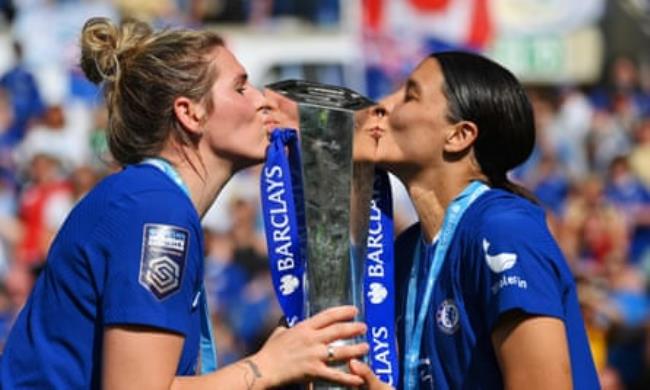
(241, 79)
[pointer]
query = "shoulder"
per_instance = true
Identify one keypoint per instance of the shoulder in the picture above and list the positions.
(501, 211)
(504, 223)
(139, 195)
(146, 187)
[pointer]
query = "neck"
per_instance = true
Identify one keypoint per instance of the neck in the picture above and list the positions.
(432, 191)
(204, 179)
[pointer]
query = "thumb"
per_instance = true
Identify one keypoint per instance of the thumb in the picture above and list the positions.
(277, 332)
(362, 370)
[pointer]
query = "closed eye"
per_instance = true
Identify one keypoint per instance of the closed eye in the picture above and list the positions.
(241, 83)
(412, 91)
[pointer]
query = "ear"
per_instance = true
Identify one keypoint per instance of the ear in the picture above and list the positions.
(461, 136)
(190, 114)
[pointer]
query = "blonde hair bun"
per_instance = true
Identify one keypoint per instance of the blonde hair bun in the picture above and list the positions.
(105, 45)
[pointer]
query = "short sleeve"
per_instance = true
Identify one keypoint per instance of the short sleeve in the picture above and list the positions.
(153, 262)
(515, 265)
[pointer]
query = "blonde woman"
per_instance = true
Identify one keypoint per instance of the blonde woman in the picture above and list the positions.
(120, 302)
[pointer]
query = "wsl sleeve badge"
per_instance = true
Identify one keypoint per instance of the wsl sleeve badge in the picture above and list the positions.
(164, 252)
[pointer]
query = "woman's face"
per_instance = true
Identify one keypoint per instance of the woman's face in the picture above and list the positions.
(279, 111)
(418, 124)
(371, 125)
(235, 127)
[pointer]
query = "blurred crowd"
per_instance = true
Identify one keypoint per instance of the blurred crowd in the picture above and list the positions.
(590, 169)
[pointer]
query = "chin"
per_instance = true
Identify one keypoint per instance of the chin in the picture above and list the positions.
(248, 161)
(394, 166)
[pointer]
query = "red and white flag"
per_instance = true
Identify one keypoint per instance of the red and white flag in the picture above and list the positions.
(464, 23)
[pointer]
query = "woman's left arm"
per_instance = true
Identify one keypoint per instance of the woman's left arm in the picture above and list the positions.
(532, 352)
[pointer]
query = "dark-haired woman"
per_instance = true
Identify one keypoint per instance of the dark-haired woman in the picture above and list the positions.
(486, 298)
(120, 304)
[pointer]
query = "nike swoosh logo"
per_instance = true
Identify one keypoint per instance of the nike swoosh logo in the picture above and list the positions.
(499, 262)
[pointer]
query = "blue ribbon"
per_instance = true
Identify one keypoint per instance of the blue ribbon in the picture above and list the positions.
(379, 297)
(208, 348)
(413, 331)
(283, 209)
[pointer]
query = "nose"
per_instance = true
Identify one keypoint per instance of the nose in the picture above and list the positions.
(379, 111)
(258, 98)
(271, 102)
(392, 100)
(264, 108)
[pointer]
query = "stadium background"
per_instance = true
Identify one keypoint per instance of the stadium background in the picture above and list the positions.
(586, 64)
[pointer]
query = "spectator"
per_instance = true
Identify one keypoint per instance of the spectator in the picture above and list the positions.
(640, 154)
(25, 96)
(10, 228)
(623, 93)
(7, 130)
(592, 228)
(550, 184)
(61, 134)
(43, 206)
(249, 243)
(572, 123)
(607, 139)
(626, 337)
(626, 192)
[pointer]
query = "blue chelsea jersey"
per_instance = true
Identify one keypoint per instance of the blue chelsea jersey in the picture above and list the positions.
(131, 253)
(501, 258)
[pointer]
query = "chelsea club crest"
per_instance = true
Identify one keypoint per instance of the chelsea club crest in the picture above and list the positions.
(447, 316)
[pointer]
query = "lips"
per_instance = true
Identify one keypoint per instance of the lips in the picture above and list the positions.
(376, 132)
(270, 125)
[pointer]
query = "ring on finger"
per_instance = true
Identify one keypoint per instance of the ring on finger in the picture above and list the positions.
(330, 353)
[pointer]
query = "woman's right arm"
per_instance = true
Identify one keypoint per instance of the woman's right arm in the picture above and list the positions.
(147, 359)
(532, 352)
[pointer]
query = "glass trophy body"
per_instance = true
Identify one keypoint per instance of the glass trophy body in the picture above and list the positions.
(338, 189)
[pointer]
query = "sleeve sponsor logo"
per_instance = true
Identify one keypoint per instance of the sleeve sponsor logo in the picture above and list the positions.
(499, 262)
(506, 281)
(164, 252)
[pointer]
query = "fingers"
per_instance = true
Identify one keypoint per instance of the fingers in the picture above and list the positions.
(346, 352)
(330, 374)
(331, 316)
(362, 370)
(345, 330)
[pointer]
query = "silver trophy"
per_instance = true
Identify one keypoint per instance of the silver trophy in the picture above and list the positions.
(338, 189)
